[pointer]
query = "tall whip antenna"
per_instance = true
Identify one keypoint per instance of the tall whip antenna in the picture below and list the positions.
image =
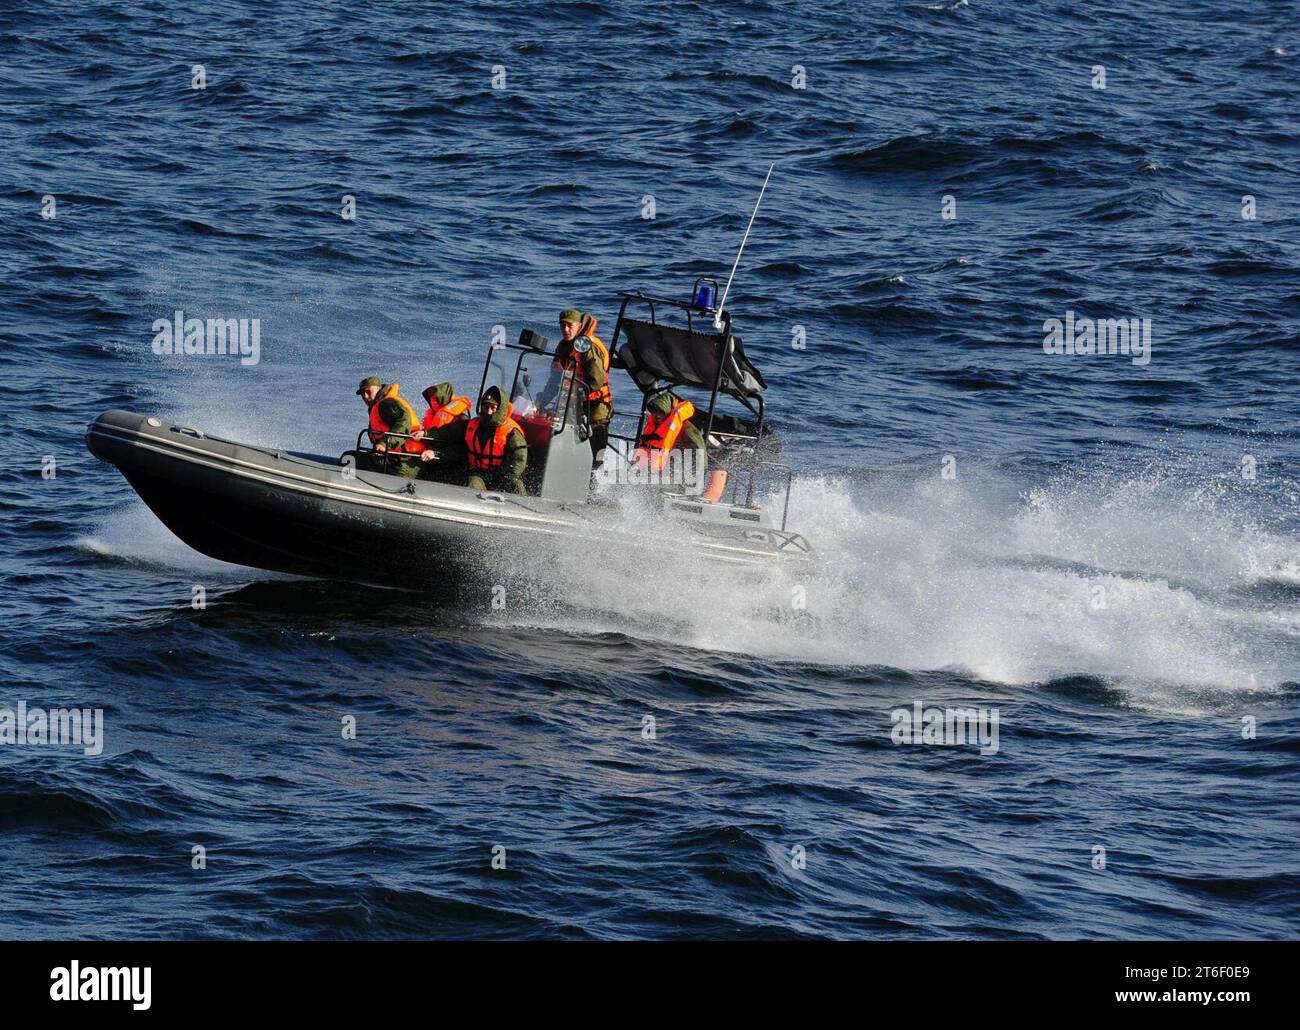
(717, 319)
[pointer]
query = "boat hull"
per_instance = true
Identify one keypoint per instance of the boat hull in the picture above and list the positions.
(312, 516)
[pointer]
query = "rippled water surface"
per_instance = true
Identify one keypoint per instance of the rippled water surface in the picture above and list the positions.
(670, 752)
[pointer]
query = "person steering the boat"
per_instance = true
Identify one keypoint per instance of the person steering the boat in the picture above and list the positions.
(442, 431)
(496, 449)
(581, 351)
(668, 427)
(392, 420)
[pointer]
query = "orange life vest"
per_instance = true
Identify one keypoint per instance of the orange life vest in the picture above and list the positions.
(436, 418)
(379, 428)
(661, 433)
(601, 395)
(489, 455)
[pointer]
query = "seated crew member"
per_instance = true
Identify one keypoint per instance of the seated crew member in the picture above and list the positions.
(496, 449)
(583, 352)
(442, 432)
(668, 426)
(392, 419)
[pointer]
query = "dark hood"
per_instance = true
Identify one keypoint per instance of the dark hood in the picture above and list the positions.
(662, 403)
(440, 394)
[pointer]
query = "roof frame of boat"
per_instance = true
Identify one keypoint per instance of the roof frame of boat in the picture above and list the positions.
(705, 354)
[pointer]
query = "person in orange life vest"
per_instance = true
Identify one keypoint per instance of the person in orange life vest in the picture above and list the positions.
(497, 451)
(442, 431)
(392, 419)
(668, 426)
(583, 351)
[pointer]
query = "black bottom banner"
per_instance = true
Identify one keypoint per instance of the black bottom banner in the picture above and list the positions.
(224, 979)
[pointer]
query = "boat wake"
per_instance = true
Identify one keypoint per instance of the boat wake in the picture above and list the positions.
(1159, 580)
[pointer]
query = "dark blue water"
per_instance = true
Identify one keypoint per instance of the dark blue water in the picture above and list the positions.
(1168, 490)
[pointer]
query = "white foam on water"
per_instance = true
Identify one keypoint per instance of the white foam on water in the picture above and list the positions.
(1160, 519)
(135, 534)
(1142, 579)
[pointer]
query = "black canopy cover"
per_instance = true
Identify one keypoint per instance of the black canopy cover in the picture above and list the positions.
(654, 351)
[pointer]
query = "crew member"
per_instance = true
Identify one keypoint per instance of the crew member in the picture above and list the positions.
(496, 449)
(442, 432)
(581, 350)
(668, 426)
(392, 421)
